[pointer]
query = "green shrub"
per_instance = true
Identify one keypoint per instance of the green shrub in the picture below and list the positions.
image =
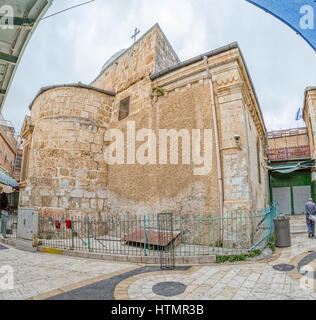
(271, 243)
(242, 257)
(254, 254)
(231, 259)
(222, 259)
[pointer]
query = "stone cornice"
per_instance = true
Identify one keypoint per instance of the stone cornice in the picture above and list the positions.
(197, 68)
(309, 92)
(27, 127)
(78, 85)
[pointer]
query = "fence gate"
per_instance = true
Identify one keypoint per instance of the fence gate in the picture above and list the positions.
(166, 241)
(4, 222)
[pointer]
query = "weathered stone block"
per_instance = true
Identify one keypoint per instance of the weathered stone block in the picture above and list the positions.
(100, 204)
(77, 193)
(102, 194)
(53, 212)
(46, 201)
(85, 204)
(64, 172)
(89, 194)
(93, 204)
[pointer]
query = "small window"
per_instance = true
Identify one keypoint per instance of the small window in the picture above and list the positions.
(124, 109)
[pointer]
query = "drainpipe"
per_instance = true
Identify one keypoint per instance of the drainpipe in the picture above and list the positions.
(218, 156)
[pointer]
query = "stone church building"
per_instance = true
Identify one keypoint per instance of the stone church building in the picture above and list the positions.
(66, 137)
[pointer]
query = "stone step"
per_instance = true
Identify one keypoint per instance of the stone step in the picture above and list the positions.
(298, 229)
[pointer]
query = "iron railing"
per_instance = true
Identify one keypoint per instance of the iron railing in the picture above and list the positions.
(190, 235)
(9, 223)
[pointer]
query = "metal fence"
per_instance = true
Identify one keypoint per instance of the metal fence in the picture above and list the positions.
(9, 223)
(188, 235)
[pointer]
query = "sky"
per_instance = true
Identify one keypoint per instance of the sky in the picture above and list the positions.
(74, 45)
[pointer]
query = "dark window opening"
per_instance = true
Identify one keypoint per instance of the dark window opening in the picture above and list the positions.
(124, 109)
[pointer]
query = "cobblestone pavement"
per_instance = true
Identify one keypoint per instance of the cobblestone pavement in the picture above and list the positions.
(41, 276)
(247, 281)
(37, 273)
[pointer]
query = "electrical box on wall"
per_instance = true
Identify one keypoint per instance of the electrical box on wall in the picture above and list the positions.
(27, 229)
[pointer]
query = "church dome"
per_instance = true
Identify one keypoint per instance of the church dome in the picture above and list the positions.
(112, 59)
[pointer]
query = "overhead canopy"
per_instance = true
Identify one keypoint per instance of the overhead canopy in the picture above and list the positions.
(297, 14)
(291, 167)
(7, 180)
(15, 34)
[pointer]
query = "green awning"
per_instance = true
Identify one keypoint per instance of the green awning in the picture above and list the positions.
(291, 167)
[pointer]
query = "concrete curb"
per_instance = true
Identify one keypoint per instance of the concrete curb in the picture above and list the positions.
(9, 242)
(202, 260)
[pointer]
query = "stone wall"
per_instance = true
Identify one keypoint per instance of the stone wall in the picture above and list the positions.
(67, 172)
(234, 97)
(310, 117)
(158, 188)
(165, 55)
(259, 182)
(129, 75)
(185, 104)
(67, 169)
(309, 114)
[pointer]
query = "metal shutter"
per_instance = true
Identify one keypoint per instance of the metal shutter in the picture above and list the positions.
(301, 196)
(283, 197)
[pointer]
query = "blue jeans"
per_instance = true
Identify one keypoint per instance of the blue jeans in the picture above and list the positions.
(310, 226)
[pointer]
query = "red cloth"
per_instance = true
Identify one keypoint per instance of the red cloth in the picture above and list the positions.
(68, 224)
(57, 224)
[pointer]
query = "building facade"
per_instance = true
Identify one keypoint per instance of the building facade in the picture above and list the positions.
(142, 94)
(310, 120)
(290, 167)
(9, 174)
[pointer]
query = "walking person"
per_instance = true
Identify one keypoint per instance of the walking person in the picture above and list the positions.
(310, 209)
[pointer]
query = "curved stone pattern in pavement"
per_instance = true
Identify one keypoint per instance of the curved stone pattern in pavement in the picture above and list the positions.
(42, 276)
(284, 267)
(169, 289)
(250, 282)
(104, 290)
(309, 260)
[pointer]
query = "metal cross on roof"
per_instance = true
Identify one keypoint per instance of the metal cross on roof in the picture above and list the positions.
(134, 36)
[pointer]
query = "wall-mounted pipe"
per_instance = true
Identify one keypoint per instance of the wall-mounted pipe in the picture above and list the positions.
(218, 155)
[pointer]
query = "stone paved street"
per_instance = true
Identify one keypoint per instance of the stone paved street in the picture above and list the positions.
(37, 273)
(41, 276)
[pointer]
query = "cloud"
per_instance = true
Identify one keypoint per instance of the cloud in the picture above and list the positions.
(73, 47)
